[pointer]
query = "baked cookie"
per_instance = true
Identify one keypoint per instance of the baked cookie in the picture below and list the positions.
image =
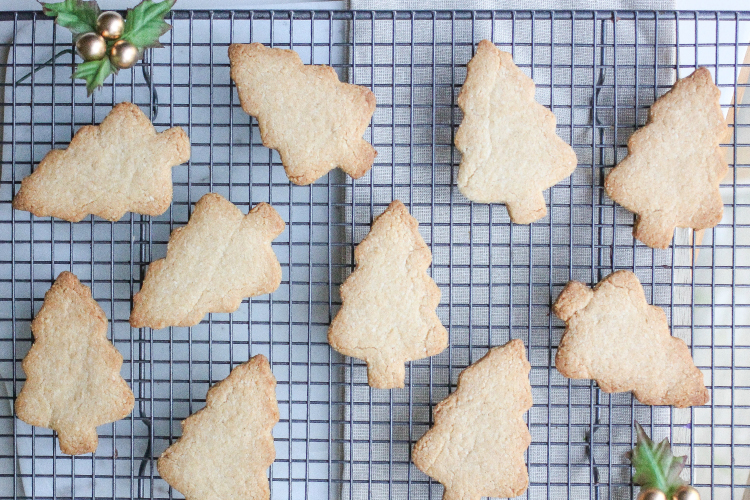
(388, 303)
(226, 448)
(670, 177)
(304, 112)
(212, 264)
(510, 151)
(477, 444)
(73, 381)
(122, 165)
(615, 337)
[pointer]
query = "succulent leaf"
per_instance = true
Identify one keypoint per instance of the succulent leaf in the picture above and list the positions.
(655, 465)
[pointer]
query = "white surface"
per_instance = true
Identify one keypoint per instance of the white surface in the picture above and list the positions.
(24, 4)
(6, 32)
(193, 4)
(8, 5)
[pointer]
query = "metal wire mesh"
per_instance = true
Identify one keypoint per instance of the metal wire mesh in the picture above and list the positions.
(337, 438)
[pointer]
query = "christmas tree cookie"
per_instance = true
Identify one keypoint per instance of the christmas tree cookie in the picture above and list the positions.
(510, 150)
(477, 444)
(212, 264)
(615, 337)
(312, 119)
(122, 165)
(670, 177)
(226, 448)
(73, 381)
(388, 303)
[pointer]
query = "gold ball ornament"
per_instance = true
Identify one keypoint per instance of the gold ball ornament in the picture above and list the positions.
(651, 494)
(124, 54)
(110, 25)
(91, 47)
(686, 493)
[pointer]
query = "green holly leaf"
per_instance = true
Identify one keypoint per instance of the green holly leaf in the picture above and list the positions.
(78, 16)
(655, 466)
(144, 23)
(94, 73)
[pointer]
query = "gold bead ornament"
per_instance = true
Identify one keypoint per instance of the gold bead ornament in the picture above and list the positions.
(651, 494)
(91, 47)
(124, 54)
(110, 25)
(686, 493)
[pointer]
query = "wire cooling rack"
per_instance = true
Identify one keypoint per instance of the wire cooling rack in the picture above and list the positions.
(598, 71)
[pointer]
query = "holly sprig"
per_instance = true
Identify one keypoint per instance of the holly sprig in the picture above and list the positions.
(144, 25)
(655, 465)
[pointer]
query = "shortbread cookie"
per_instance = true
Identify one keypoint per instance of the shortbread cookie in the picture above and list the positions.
(670, 177)
(304, 112)
(388, 303)
(73, 381)
(477, 444)
(615, 337)
(510, 150)
(212, 264)
(122, 165)
(226, 448)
